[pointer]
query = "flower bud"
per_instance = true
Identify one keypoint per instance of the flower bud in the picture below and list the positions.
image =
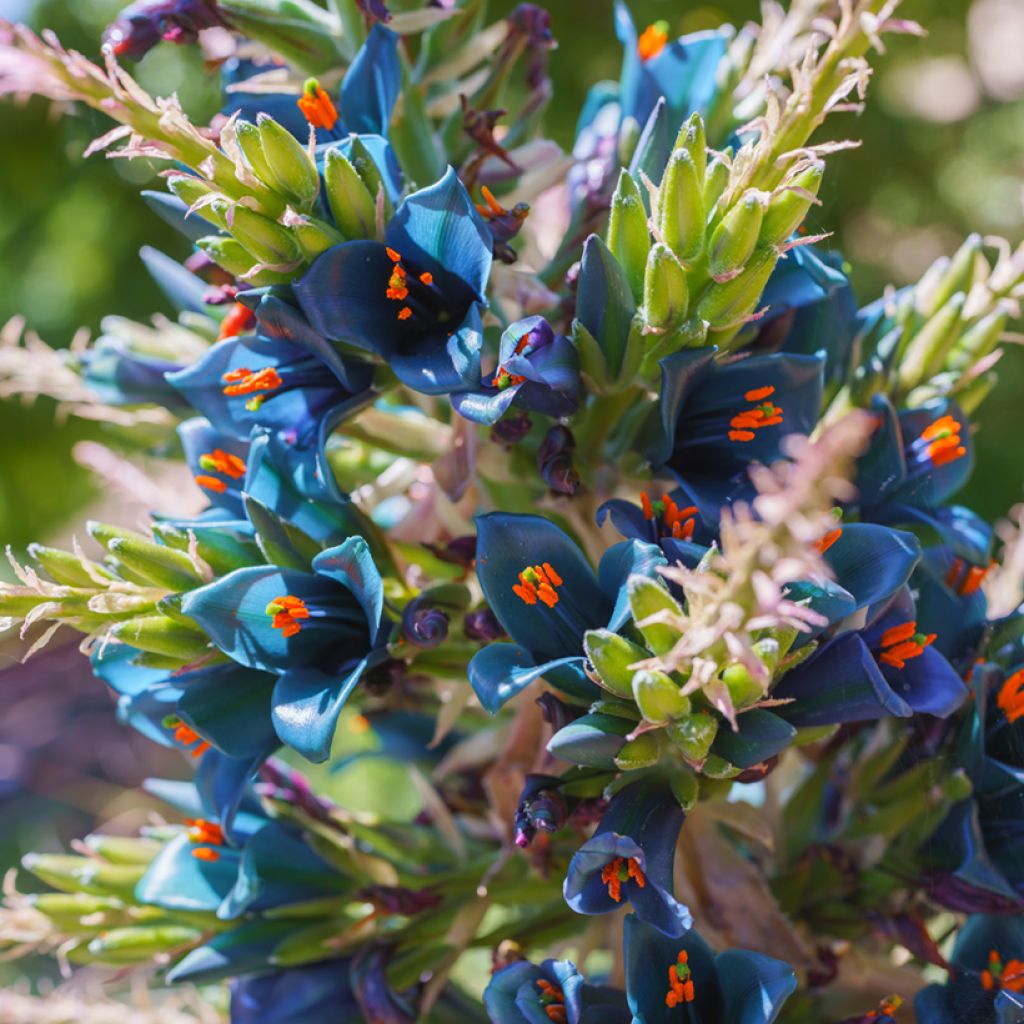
(680, 213)
(974, 393)
(293, 173)
(141, 942)
(250, 142)
(161, 634)
(786, 211)
(313, 236)
(743, 688)
(424, 626)
(482, 624)
(611, 654)
(956, 275)
(227, 253)
(647, 598)
(693, 735)
(351, 203)
(628, 237)
(658, 697)
(84, 874)
(62, 566)
(190, 191)
(123, 849)
(163, 566)
(267, 240)
(926, 352)
(716, 177)
(734, 239)
(542, 808)
(554, 461)
(665, 293)
(366, 167)
(725, 305)
(977, 341)
(693, 139)
(643, 751)
(685, 788)
(511, 428)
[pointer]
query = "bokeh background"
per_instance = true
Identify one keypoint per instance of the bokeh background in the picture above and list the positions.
(943, 155)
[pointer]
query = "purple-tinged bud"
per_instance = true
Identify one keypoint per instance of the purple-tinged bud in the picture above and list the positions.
(424, 626)
(458, 551)
(140, 26)
(512, 428)
(378, 1001)
(557, 713)
(542, 808)
(554, 461)
(557, 441)
(482, 624)
(957, 895)
(280, 781)
(374, 11)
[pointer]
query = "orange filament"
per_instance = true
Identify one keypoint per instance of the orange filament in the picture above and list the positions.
(317, 107)
(966, 583)
(681, 522)
(239, 318)
(553, 1000)
(903, 642)
(765, 413)
(538, 582)
(621, 870)
(211, 483)
(1011, 697)
(205, 853)
(502, 378)
(828, 540)
(186, 737)
(942, 441)
(652, 40)
(209, 832)
(997, 975)
(490, 207)
(244, 381)
(680, 982)
(286, 613)
(427, 277)
(220, 461)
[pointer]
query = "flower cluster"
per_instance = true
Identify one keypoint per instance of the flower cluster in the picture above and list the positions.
(581, 585)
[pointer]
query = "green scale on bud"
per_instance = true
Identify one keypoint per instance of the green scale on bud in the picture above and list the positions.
(680, 211)
(265, 239)
(665, 290)
(734, 239)
(927, 349)
(352, 205)
(787, 210)
(628, 236)
(293, 173)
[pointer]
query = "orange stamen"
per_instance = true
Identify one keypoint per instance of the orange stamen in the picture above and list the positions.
(618, 871)
(759, 394)
(244, 381)
(1011, 697)
(205, 853)
(427, 277)
(974, 579)
(188, 738)
(1009, 976)
(941, 441)
(317, 107)
(765, 413)
(286, 613)
(553, 1000)
(538, 582)
(202, 831)
(828, 540)
(211, 483)
(238, 319)
(392, 255)
(680, 982)
(220, 461)
(404, 313)
(652, 41)
(903, 642)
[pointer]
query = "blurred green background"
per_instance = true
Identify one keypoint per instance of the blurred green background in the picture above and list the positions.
(942, 155)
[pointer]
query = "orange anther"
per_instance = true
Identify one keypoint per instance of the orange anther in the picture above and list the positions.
(427, 277)
(220, 461)
(205, 853)
(244, 381)
(741, 435)
(392, 255)
(621, 870)
(894, 634)
(317, 107)
(645, 504)
(828, 540)
(238, 319)
(404, 313)
(759, 394)
(286, 614)
(1011, 696)
(211, 483)
(652, 41)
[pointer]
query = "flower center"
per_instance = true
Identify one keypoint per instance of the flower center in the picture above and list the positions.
(680, 982)
(238, 319)
(502, 378)
(939, 443)
(652, 40)
(317, 107)
(679, 522)
(903, 642)
(619, 871)
(421, 289)
(244, 381)
(763, 413)
(286, 613)
(553, 1001)
(186, 737)
(538, 582)
(966, 580)
(205, 832)
(1011, 697)
(999, 975)
(828, 540)
(219, 461)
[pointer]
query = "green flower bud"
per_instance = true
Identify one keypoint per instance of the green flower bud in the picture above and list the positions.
(134, 944)
(971, 396)
(685, 788)
(693, 139)
(693, 735)
(743, 688)
(611, 655)
(716, 767)
(593, 740)
(647, 598)
(84, 874)
(726, 305)
(64, 567)
(680, 212)
(314, 236)
(294, 174)
(628, 236)
(162, 566)
(642, 752)
(251, 145)
(734, 239)
(665, 291)
(66, 909)
(658, 697)
(162, 635)
(267, 240)
(227, 253)
(957, 276)
(629, 137)
(927, 349)
(190, 191)
(977, 341)
(716, 177)
(351, 203)
(786, 212)
(223, 552)
(123, 849)
(367, 169)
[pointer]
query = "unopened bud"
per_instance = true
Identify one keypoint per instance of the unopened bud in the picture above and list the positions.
(63, 567)
(734, 239)
(643, 751)
(267, 240)
(628, 236)
(693, 735)
(716, 177)
(658, 697)
(786, 212)
(227, 253)
(366, 167)
(666, 293)
(161, 634)
(554, 461)
(84, 874)
(680, 214)
(611, 655)
(724, 305)
(141, 942)
(743, 688)
(977, 341)
(482, 624)
(294, 174)
(927, 350)
(191, 191)
(314, 236)
(351, 204)
(693, 139)
(162, 566)
(424, 626)
(957, 276)
(250, 142)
